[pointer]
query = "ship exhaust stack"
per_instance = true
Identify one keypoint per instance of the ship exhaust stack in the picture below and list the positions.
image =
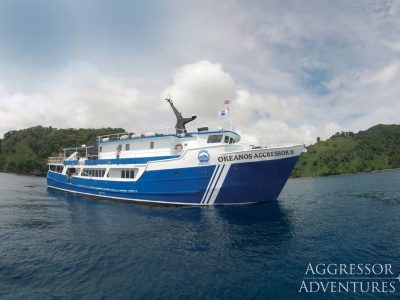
(180, 120)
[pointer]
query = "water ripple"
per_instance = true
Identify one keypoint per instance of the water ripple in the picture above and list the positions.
(56, 245)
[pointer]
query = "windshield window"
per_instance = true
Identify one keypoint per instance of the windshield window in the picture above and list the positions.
(214, 138)
(226, 140)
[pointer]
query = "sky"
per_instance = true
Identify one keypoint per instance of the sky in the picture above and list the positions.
(293, 70)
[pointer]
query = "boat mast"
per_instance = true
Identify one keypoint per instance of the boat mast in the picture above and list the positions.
(180, 120)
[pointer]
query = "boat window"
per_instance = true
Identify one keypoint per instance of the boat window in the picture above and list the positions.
(151, 145)
(57, 169)
(130, 173)
(226, 140)
(71, 171)
(231, 140)
(214, 138)
(100, 149)
(92, 172)
(127, 147)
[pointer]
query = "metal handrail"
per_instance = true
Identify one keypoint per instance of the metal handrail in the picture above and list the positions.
(121, 135)
(142, 132)
(269, 143)
(55, 160)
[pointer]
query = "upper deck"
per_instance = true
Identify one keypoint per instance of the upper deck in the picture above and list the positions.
(150, 144)
(141, 148)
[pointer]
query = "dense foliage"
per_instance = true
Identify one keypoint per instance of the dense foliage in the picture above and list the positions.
(26, 151)
(377, 148)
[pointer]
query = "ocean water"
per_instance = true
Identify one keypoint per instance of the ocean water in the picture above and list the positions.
(56, 245)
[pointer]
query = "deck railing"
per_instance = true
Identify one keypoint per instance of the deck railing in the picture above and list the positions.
(55, 160)
(136, 134)
(268, 144)
(152, 132)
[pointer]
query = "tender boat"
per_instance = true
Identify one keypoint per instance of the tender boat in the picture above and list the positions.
(203, 167)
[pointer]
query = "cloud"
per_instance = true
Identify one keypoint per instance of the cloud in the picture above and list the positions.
(297, 69)
(383, 76)
(202, 87)
(81, 97)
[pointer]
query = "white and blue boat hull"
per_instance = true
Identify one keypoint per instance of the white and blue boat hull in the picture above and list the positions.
(230, 178)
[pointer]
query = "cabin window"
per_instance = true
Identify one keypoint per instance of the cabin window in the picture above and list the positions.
(231, 141)
(57, 169)
(100, 149)
(226, 140)
(151, 145)
(130, 173)
(127, 147)
(93, 172)
(119, 147)
(214, 138)
(71, 171)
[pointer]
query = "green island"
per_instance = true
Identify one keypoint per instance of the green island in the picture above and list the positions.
(26, 151)
(378, 148)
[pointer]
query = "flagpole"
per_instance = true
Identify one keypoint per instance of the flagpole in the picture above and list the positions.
(231, 120)
(227, 103)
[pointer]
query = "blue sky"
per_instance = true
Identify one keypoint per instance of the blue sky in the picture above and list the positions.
(293, 69)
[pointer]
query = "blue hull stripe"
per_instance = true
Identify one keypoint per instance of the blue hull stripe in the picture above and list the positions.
(210, 184)
(216, 182)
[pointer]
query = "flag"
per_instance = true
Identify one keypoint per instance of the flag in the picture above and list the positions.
(227, 103)
(223, 113)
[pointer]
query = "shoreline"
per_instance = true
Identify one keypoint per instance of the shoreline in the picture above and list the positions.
(346, 174)
(24, 174)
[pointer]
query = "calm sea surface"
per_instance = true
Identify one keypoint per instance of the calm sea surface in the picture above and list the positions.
(57, 245)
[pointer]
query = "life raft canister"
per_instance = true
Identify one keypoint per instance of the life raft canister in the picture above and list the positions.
(178, 147)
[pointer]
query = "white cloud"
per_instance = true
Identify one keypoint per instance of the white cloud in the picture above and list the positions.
(202, 87)
(395, 46)
(383, 76)
(81, 97)
(294, 70)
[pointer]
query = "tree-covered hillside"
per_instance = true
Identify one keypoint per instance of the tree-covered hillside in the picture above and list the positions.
(377, 148)
(26, 151)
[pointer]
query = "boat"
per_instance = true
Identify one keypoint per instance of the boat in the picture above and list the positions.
(201, 167)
